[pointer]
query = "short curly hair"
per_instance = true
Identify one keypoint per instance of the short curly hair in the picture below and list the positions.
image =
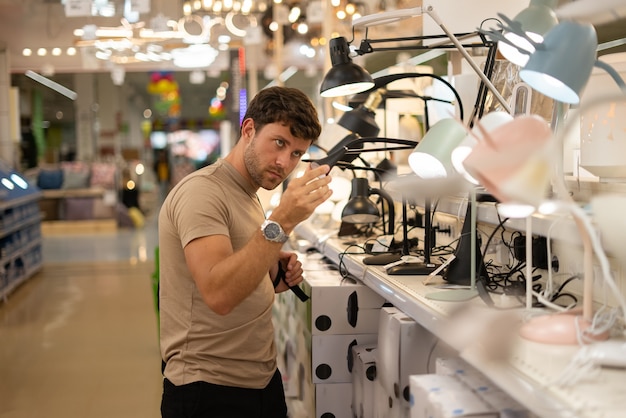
(285, 105)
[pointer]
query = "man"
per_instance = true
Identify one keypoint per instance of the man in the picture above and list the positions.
(219, 257)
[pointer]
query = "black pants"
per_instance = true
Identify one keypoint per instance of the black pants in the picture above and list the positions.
(207, 400)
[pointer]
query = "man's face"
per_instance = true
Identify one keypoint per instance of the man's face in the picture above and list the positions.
(272, 153)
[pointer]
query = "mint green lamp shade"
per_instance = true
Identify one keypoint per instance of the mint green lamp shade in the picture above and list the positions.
(535, 20)
(431, 157)
(562, 65)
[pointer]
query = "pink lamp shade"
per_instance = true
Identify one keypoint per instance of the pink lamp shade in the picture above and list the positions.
(488, 123)
(512, 162)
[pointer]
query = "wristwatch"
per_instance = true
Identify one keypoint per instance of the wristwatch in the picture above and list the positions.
(272, 231)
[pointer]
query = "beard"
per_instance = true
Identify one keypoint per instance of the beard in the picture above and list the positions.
(254, 166)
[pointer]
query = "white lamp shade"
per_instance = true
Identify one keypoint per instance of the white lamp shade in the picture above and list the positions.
(431, 157)
(341, 187)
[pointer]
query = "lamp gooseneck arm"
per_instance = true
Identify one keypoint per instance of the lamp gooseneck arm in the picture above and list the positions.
(614, 74)
(355, 146)
(392, 213)
(431, 11)
(383, 81)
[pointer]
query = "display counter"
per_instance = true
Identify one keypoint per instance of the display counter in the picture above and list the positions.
(528, 371)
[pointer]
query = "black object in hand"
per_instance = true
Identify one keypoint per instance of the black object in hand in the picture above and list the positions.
(295, 289)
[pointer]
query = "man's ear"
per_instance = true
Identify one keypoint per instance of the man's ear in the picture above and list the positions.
(247, 129)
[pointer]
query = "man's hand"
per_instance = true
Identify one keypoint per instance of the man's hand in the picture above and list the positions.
(293, 271)
(302, 196)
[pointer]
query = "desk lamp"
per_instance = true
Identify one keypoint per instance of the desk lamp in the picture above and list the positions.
(362, 120)
(549, 70)
(361, 210)
(535, 21)
(467, 248)
(431, 160)
(560, 68)
(345, 77)
(354, 146)
(335, 84)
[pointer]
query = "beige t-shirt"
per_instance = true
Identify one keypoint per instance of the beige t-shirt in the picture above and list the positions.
(198, 345)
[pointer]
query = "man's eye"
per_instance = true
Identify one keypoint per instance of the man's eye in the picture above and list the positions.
(297, 154)
(280, 143)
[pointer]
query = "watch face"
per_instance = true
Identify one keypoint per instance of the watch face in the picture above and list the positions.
(272, 230)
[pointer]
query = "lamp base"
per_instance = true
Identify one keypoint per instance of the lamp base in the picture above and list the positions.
(412, 269)
(561, 329)
(453, 295)
(382, 259)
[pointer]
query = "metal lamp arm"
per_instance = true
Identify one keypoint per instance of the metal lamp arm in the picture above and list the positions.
(333, 158)
(395, 15)
(384, 80)
(431, 11)
(392, 214)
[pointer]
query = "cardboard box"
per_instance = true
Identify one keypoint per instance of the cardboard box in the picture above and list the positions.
(342, 305)
(404, 348)
(333, 400)
(363, 380)
(332, 356)
(439, 396)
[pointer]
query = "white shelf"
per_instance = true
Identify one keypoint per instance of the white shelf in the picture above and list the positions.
(530, 371)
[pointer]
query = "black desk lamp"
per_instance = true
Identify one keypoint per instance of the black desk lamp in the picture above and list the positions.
(361, 210)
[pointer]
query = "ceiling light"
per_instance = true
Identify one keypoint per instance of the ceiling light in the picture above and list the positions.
(197, 77)
(42, 52)
(27, 52)
(303, 28)
(56, 51)
(194, 56)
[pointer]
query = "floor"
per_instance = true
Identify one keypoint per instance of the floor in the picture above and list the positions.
(80, 338)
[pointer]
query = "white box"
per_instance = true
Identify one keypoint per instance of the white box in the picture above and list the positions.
(439, 396)
(484, 388)
(332, 356)
(451, 366)
(363, 380)
(404, 348)
(342, 305)
(505, 404)
(477, 382)
(333, 400)
(386, 406)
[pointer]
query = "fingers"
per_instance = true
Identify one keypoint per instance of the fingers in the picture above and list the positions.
(315, 171)
(293, 274)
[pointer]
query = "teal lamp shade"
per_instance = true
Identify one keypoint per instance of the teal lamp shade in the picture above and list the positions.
(431, 157)
(561, 66)
(535, 20)
(345, 77)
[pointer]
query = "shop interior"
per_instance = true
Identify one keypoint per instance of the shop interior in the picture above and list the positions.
(469, 263)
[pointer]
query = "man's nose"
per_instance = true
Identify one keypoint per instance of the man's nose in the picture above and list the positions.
(283, 158)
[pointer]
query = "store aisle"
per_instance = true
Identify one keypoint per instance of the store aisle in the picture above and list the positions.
(80, 338)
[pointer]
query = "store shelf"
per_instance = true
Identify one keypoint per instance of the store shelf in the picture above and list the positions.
(20, 241)
(530, 371)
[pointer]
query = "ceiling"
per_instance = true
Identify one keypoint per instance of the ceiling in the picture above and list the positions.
(42, 23)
